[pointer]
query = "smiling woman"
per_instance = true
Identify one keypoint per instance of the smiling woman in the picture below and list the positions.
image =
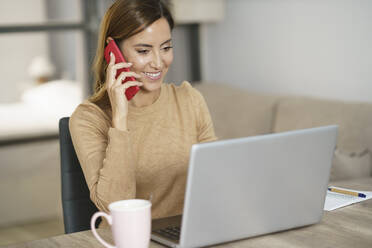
(150, 52)
(138, 148)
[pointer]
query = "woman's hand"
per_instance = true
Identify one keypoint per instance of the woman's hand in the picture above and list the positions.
(116, 92)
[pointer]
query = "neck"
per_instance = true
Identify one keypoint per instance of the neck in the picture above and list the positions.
(145, 98)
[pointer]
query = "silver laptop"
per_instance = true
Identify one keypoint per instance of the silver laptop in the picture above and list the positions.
(245, 187)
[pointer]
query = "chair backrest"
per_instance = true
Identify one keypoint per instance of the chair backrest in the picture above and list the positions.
(76, 203)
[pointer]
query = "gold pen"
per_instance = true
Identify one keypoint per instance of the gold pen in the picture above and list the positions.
(346, 192)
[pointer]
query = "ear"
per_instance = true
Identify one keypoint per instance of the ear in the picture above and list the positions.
(108, 39)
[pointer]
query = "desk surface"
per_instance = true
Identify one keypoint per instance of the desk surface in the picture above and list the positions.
(346, 227)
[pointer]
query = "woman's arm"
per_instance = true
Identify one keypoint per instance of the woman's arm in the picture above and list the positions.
(105, 156)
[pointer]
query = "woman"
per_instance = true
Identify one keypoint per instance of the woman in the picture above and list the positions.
(139, 148)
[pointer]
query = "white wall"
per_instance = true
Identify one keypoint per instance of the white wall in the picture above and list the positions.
(319, 48)
(181, 68)
(18, 49)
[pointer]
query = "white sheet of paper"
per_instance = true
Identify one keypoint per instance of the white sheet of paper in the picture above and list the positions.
(336, 200)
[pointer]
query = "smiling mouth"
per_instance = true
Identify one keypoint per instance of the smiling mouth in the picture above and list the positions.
(153, 75)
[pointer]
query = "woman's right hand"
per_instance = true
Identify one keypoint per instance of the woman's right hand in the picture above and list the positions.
(116, 92)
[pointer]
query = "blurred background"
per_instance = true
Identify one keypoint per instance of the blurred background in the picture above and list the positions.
(317, 48)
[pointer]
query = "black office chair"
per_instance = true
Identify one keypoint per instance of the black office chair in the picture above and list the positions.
(76, 203)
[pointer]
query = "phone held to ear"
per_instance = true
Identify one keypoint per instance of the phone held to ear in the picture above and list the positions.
(119, 58)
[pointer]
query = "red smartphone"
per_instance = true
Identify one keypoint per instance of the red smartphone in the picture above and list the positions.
(112, 47)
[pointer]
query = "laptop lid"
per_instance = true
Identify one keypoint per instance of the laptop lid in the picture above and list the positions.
(250, 186)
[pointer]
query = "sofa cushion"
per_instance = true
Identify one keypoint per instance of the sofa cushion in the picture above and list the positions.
(350, 165)
(235, 112)
(354, 120)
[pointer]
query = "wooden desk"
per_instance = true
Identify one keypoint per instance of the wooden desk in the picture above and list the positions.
(346, 227)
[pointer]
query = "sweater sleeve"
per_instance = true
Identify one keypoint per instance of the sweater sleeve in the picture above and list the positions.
(204, 121)
(105, 156)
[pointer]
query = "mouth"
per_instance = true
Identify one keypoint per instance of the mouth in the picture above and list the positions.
(153, 75)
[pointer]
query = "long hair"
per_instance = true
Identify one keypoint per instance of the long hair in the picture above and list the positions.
(123, 19)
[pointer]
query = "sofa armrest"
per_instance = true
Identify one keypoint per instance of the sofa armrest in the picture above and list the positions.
(355, 129)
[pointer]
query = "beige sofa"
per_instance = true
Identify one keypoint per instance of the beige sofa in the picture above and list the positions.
(238, 113)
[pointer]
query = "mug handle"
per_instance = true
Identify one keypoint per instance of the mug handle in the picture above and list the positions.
(93, 227)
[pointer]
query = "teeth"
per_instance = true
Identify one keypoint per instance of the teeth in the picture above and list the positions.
(152, 74)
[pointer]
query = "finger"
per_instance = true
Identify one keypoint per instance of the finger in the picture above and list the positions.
(112, 59)
(110, 71)
(127, 85)
(123, 88)
(130, 84)
(124, 75)
(122, 65)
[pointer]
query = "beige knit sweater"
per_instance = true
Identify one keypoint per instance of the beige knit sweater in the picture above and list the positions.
(151, 158)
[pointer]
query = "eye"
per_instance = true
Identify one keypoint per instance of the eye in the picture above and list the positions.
(143, 51)
(167, 48)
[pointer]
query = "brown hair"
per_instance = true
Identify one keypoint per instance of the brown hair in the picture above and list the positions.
(123, 19)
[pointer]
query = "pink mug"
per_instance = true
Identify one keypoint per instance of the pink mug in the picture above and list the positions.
(130, 221)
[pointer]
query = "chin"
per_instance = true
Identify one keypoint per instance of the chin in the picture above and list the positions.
(152, 86)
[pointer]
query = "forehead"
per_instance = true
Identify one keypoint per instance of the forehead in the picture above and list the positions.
(155, 34)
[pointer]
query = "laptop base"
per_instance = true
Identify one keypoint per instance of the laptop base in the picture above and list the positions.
(159, 231)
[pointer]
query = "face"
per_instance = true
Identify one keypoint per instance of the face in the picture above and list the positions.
(151, 53)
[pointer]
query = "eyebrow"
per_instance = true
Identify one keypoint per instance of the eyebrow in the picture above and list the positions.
(147, 45)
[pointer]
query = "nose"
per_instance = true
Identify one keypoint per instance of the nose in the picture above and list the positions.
(157, 61)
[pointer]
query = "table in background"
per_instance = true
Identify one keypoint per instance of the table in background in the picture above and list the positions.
(346, 227)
